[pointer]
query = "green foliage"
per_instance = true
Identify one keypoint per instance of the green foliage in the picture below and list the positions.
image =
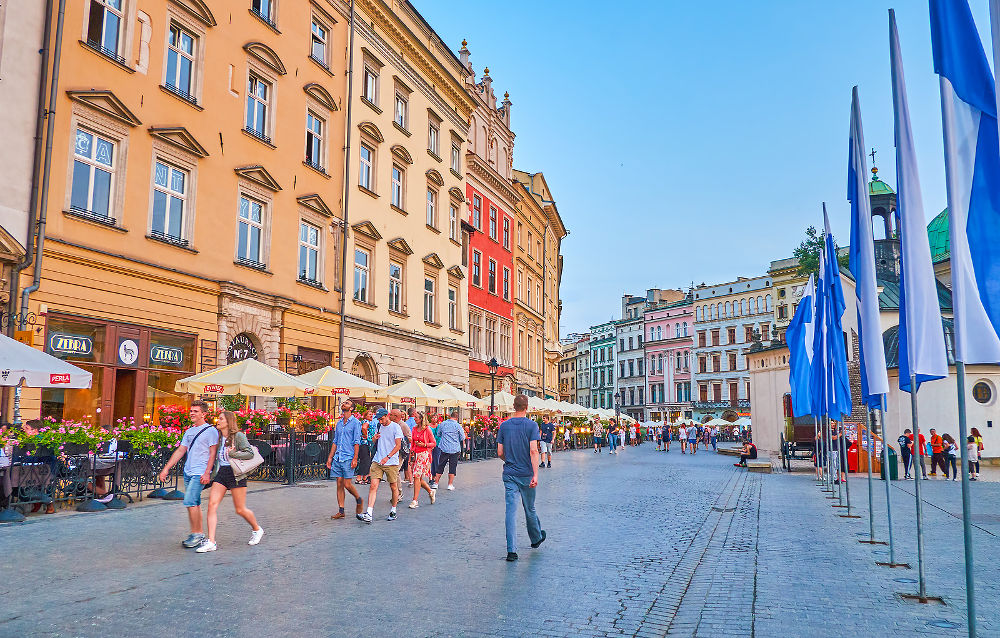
(232, 402)
(808, 253)
(293, 404)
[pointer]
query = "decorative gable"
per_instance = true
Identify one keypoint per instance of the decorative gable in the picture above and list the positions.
(400, 151)
(315, 203)
(106, 102)
(371, 131)
(433, 261)
(367, 229)
(456, 272)
(435, 177)
(180, 137)
(321, 95)
(258, 175)
(197, 10)
(457, 193)
(266, 56)
(400, 244)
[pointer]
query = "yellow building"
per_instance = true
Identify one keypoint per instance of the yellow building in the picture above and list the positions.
(192, 215)
(538, 263)
(406, 310)
(788, 286)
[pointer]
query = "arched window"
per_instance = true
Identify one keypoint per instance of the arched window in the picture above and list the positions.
(751, 307)
(659, 332)
(760, 304)
(743, 307)
(685, 332)
(729, 309)
(718, 310)
(767, 302)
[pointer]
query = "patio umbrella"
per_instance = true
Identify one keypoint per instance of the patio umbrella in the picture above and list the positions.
(719, 422)
(329, 381)
(502, 401)
(20, 363)
(413, 392)
(743, 421)
(249, 378)
(462, 398)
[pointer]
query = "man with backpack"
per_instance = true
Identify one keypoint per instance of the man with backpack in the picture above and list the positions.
(199, 443)
(904, 452)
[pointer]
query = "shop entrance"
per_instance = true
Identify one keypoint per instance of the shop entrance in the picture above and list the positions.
(124, 401)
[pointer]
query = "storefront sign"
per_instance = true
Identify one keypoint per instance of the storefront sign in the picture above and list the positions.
(128, 352)
(214, 389)
(56, 379)
(241, 348)
(70, 344)
(408, 400)
(27, 337)
(470, 404)
(166, 355)
(341, 391)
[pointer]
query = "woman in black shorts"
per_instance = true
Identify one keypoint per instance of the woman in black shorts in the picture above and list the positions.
(233, 444)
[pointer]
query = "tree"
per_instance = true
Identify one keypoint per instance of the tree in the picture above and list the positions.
(808, 253)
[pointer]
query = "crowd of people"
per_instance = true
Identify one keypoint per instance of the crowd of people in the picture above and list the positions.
(943, 451)
(617, 435)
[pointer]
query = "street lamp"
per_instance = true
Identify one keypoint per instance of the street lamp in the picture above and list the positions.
(493, 365)
(617, 406)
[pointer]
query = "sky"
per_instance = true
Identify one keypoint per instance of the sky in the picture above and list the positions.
(695, 141)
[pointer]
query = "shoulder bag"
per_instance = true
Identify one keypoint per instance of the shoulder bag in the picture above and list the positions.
(242, 467)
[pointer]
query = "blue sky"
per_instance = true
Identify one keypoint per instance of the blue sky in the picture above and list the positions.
(690, 141)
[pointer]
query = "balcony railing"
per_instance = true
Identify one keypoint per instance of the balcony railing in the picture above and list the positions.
(721, 405)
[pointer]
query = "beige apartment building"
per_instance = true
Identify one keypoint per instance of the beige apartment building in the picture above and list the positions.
(406, 310)
(193, 210)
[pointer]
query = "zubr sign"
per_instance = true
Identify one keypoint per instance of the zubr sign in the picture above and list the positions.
(70, 344)
(241, 348)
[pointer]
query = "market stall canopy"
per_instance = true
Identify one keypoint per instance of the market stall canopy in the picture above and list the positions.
(460, 398)
(502, 401)
(552, 405)
(572, 409)
(329, 381)
(719, 422)
(20, 363)
(413, 392)
(743, 421)
(249, 378)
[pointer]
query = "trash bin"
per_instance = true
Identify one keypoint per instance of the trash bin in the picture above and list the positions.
(893, 466)
(852, 457)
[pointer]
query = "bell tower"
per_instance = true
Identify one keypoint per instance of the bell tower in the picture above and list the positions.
(887, 248)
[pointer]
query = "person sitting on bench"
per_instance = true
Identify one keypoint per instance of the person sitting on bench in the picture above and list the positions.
(749, 452)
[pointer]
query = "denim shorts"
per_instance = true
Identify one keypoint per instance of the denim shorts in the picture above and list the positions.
(192, 490)
(341, 469)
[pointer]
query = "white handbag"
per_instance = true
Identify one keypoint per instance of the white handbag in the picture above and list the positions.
(245, 466)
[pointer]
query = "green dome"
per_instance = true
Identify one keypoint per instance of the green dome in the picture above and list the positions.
(938, 237)
(878, 187)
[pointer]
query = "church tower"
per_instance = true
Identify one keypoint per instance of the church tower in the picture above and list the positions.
(887, 249)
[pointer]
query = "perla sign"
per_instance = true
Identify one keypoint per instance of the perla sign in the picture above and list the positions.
(70, 344)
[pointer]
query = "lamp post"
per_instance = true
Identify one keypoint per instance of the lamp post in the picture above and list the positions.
(493, 365)
(617, 406)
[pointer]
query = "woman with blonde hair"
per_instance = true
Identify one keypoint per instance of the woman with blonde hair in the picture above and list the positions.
(422, 443)
(235, 446)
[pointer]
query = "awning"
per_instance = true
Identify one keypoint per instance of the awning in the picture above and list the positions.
(22, 364)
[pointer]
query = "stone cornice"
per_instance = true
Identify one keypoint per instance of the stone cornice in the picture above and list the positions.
(406, 335)
(490, 177)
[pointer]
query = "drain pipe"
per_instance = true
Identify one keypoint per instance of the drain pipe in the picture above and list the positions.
(47, 162)
(347, 193)
(36, 172)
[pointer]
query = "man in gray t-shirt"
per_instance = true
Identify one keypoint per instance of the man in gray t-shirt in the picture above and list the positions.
(385, 463)
(199, 443)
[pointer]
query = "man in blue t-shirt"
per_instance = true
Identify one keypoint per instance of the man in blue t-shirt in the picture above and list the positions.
(199, 443)
(343, 457)
(517, 445)
(547, 430)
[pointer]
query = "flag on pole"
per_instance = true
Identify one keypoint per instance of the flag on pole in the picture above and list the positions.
(800, 350)
(874, 378)
(830, 387)
(972, 167)
(921, 336)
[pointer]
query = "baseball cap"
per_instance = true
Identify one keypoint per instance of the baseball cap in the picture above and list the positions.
(381, 412)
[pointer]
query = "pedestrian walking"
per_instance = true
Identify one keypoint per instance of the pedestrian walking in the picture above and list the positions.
(200, 443)
(345, 448)
(385, 463)
(665, 433)
(972, 452)
(435, 421)
(682, 437)
(904, 441)
(598, 431)
(839, 453)
(612, 436)
(547, 431)
(693, 438)
(978, 456)
(517, 445)
(951, 452)
(368, 428)
(714, 438)
(233, 445)
(566, 435)
(918, 452)
(423, 442)
(450, 438)
(937, 453)
(404, 452)
(819, 456)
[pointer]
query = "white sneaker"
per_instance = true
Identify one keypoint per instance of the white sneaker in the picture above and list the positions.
(414, 505)
(433, 495)
(206, 546)
(255, 536)
(366, 517)
(451, 488)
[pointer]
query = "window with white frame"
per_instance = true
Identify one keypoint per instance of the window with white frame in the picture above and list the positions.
(400, 111)
(505, 342)
(506, 283)
(506, 233)
(169, 200)
(180, 62)
(258, 106)
(104, 26)
(264, 9)
(529, 293)
(453, 307)
(432, 207)
(453, 221)
(429, 300)
(320, 42)
(365, 167)
(456, 158)
(492, 277)
(369, 87)
(520, 283)
(397, 186)
(309, 252)
(476, 334)
(477, 212)
(477, 268)
(362, 266)
(434, 136)
(493, 223)
(250, 241)
(94, 167)
(492, 337)
(395, 287)
(315, 126)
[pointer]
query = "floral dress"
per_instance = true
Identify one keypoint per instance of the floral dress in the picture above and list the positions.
(423, 443)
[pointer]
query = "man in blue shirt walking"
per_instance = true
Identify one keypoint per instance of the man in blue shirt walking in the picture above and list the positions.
(517, 445)
(548, 429)
(343, 457)
(450, 437)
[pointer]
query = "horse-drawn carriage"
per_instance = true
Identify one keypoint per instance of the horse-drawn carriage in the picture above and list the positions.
(798, 441)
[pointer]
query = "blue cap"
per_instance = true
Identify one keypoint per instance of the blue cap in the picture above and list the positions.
(381, 412)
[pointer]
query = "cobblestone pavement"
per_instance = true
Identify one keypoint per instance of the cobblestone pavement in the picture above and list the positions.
(639, 544)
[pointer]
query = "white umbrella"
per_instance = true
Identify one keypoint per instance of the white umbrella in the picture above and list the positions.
(329, 381)
(248, 377)
(461, 398)
(502, 401)
(719, 422)
(414, 392)
(20, 363)
(743, 421)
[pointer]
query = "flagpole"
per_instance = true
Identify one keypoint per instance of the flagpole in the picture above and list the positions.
(816, 449)
(868, 461)
(888, 490)
(921, 584)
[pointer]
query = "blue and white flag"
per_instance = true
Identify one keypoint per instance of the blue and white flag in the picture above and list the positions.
(831, 387)
(800, 351)
(921, 336)
(972, 168)
(874, 378)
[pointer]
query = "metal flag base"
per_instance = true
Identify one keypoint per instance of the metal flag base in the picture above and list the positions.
(91, 506)
(159, 492)
(926, 600)
(874, 542)
(11, 515)
(174, 495)
(849, 516)
(115, 504)
(903, 565)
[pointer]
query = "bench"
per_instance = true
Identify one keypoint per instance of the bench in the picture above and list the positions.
(730, 451)
(759, 464)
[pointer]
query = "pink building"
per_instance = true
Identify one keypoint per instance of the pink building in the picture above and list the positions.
(669, 339)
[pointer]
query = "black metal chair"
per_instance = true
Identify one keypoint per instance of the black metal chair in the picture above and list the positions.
(77, 474)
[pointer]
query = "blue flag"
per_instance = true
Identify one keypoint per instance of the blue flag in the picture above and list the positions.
(830, 387)
(800, 351)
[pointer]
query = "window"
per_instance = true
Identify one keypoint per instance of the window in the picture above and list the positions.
(493, 277)
(716, 363)
(93, 174)
(320, 35)
(477, 212)
(104, 26)
(538, 294)
(308, 252)
(361, 271)
(715, 337)
(491, 337)
(529, 245)
(453, 221)
(452, 308)
(748, 334)
(702, 365)
(428, 300)
(731, 335)
(258, 96)
(630, 346)
(493, 223)
(639, 363)
(477, 268)
(701, 339)
(397, 186)
(538, 251)
(765, 332)
(520, 295)
(400, 111)
(180, 62)
(631, 368)
(263, 9)
(506, 233)
(395, 287)
(456, 158)
(519, 228)
(506, 284)
(249, 247)
(529, 293)
(365, 169)
(169, 201)
(782, 311)
(621, 365)
(476, 334)
(433, 135)
(432, 208)
(314, 141)
(369, 89)
(732, 361)
(716, 392)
